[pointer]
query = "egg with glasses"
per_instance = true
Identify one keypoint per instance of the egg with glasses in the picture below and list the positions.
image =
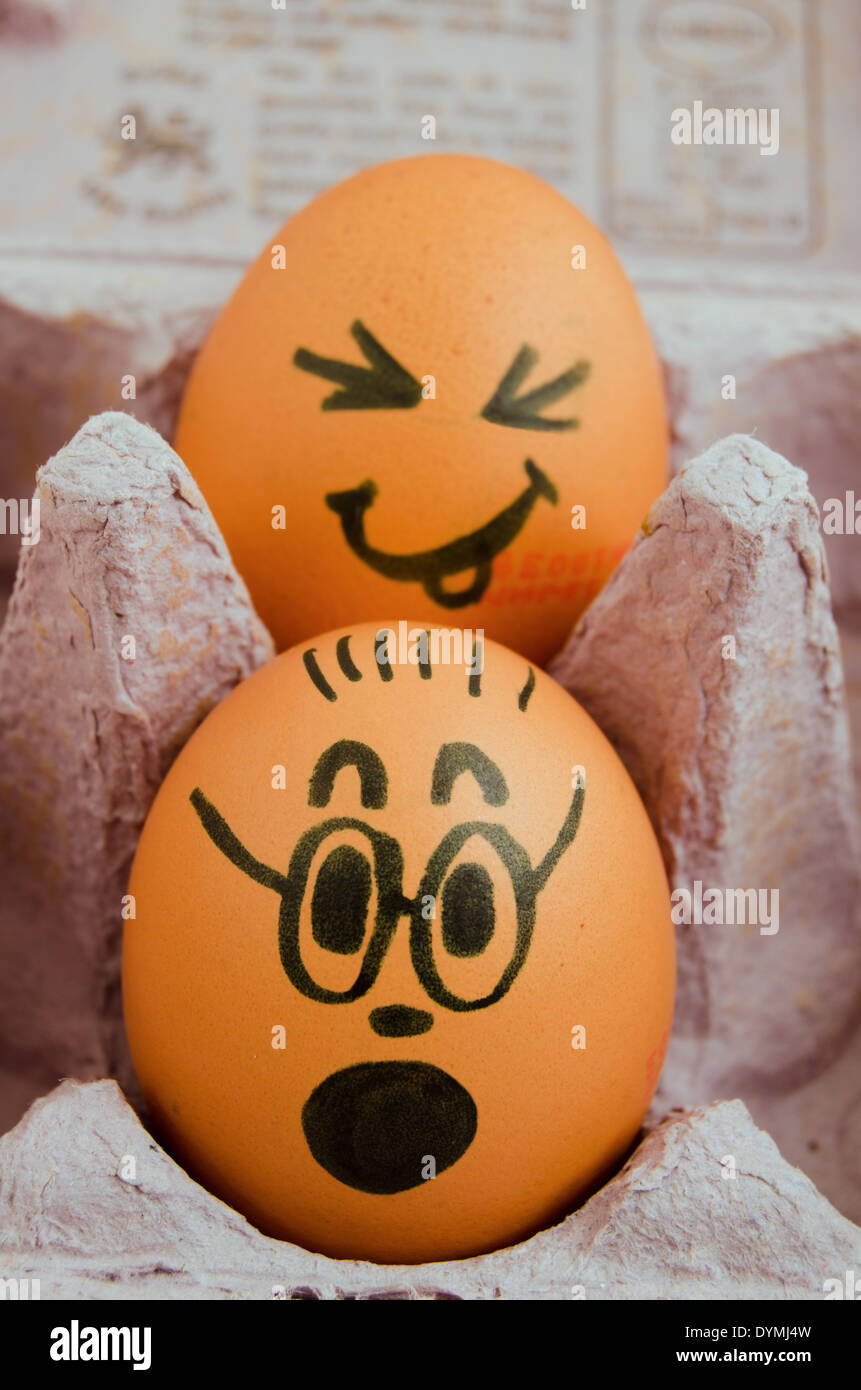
(433, 392)
(399, 979)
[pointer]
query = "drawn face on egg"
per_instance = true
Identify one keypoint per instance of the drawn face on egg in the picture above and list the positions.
(374, 1125)
(434, 390)
(372, 900)
(385, 385)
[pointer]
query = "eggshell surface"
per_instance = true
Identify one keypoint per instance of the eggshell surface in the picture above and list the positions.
(400, 976)
(433, 391)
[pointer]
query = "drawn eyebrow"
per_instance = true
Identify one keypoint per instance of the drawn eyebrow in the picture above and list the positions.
(505, 407)
(455, 758)
(349, 752)
(384, 385)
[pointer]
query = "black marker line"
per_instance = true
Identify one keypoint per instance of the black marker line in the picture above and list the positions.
(429, 568)
(400, 1021)
(506, 407)
(475, 678)
(526, 693)
(424, 666)
(313, 669)
(566, 834)
(345, 660)
(385, 670)
(232, 847)
(383, 385)
(348, 752)
(455, 758)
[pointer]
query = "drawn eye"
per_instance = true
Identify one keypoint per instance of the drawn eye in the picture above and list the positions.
(339, 903)
(472, 922)
(468, 913)
(505, 407)
(383, 385)
(339, 908)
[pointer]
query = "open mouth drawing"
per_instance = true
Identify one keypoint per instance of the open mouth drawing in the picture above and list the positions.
(430, 568)
(375, 1125)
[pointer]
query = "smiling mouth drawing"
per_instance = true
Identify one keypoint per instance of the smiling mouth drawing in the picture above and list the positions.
(430, 567)
(374, 1125)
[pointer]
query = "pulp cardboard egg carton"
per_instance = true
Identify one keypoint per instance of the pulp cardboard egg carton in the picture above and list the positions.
(711, 659)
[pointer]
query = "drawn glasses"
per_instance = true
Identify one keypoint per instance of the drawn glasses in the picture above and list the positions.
(342, 891)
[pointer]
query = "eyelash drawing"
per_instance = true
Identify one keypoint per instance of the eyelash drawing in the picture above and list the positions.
(384, 385)
(505, 407)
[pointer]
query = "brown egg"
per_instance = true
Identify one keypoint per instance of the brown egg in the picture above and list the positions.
(434, 391)
(400, 977)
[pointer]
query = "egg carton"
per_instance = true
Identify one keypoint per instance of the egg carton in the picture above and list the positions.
(117, 1218)
(740, 355)
(750, 352)
(116, 254)
(711, 660)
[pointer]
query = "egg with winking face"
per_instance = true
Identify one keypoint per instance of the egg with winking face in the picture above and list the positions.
(433, 391)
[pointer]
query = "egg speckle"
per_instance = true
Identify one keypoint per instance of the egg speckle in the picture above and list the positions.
(382, 878)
